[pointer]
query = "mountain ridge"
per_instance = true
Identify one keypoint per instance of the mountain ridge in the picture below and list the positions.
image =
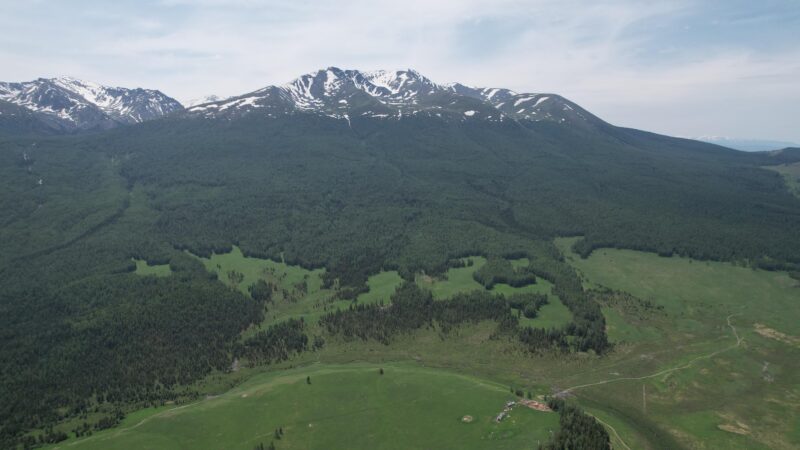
(69, 104)
(381, 94)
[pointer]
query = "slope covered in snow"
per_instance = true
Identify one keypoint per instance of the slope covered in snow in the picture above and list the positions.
(67, 103)
(348, 94)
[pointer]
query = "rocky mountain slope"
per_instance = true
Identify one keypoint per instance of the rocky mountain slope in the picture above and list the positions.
(349, 94)
(69, 104)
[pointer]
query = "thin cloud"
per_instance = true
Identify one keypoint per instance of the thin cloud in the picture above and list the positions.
(654, 65)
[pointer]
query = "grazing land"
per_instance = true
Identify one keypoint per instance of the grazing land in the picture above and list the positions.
(326, 406)
(697, 359)
(708, 348)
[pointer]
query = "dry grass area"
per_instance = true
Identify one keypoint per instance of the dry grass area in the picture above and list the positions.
(770, 333)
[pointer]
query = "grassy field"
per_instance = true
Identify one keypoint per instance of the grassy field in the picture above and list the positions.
(456, 280)
(290, 302)
(350, 406)
(254, 269)
(381, 287)
(711, 363)
(459, 280)
(159, 270)
(716, 368)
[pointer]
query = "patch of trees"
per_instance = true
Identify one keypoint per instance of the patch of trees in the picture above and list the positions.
(538, 340)
(275, 344)
(634, 308)
(528, 304)
(121, 339)
(261, 446)
(577, 430)
(588, 325)
(412, 308)
(500, 270)
(109, 421)
(261, 291)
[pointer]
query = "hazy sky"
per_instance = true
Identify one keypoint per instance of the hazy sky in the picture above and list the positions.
(681, 67)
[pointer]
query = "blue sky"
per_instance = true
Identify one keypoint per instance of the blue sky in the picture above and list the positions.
(680, 67)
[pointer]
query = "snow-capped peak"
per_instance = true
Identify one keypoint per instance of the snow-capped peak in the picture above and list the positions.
(70, 103)
(396, 81)
(201, 100)
(344, 94)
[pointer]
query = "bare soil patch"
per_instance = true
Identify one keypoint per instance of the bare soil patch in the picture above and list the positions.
(533, 404)
(738, 428)
(771, 333)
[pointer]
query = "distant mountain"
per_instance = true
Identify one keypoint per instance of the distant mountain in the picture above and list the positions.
(201, 100)
(350, 94)
(69, 104)
(748, 145)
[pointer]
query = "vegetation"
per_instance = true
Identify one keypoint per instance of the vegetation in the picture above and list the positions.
(791, 174)
(159, 270)
(263, 222)
(576, 429)
(677, 313)
(412, 308)
(408, 407)
(146, 336)
(277, 343)
(528, 305)
(500, 270)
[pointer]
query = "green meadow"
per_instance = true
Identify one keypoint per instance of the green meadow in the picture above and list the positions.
(459, 280)
(707, 358)
(254, 269)
(715, 367)
(350, 406)
(311, 303)
(159, 270)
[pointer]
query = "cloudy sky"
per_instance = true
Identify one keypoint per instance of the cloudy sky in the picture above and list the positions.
(680, 67)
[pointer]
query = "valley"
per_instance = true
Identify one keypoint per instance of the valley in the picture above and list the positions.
(686, 353)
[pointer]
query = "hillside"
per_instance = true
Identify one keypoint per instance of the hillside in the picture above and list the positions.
(350, 174)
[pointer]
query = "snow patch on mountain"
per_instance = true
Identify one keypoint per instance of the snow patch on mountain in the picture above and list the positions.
(345, 94)
(70, 103)
(201, 100)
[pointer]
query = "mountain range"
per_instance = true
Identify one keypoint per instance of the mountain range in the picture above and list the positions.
(348, 94)
(747, 145)
(68, 104)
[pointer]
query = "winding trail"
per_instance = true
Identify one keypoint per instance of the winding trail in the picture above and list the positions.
(665, 371)
(616, 435)
(691, 362)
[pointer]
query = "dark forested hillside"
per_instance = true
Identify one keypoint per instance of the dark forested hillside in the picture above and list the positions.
(353, 196)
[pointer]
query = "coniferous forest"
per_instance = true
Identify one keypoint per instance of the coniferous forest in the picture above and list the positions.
(79, 329)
